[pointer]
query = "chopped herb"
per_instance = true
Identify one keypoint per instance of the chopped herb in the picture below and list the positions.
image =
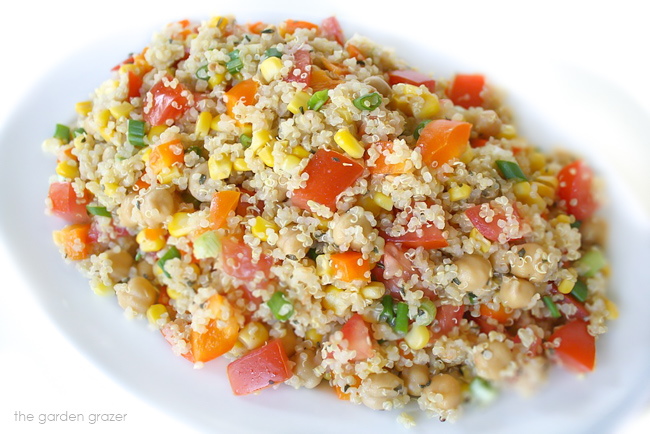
(268, 31)
(202, 73)
(245, 140)
(576, 224)
(456, 280)
(312, 254)
(248, 38)
(318, 99)
(170, 254)
(368, 102)
(281, 308)
(273, 52)
(552, 307)
(197, 150)
(235, 64)
(139, 255)
(511, 170)
(521, 253)
(98, 210)
(472, 297)
(580, 291)
(62, 133)
(419, 128)
(402, 318)
(135, 133)
(202, 179)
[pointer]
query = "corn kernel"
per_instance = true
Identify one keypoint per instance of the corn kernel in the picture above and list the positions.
(266, 155)
(168, 175)
(67, 169)
(214, 125)
(430, 107)
(219, 168)
(271, 68)
(349, 143)
(383, 201)
(323, 265)
(157, 314)
(171, 292)
(101, 289)
(563, 218)
(370, 205)
(253, 335)
(179, 225)
(544, 190)
(299, 102)
(460, 192)
(110, 188)
(333, 300)
(203, 124)
(467, 156)
(248, 130)
(290, 162)
(259, 139)
(522, 190)
(156, 131)
(537, 161)
(240, 165)
(145, 154)
(151, 240)
(373, 291)
(612, 310)
(218, 21)
(261, 226)
(83, 108)
(300, 152)
(484, 244)
(566, 286)
(102, 118)
(314, 336)
(237, 350)
(418, 337)
(216, 79)
(122, 110)
(508, 131)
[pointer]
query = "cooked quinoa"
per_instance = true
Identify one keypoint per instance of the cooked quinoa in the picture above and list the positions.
(280, 194)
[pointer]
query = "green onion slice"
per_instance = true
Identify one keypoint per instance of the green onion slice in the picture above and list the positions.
(591, 263)
(482, 390)
(426, 313)
(580, 291)
(281, 308)
(273, 52)
(318, 99)
(202, 73)
(98, 210)
(135, 133)
(402, 318)
(235, 64)
(419, 128)
(206, 245)
(388, 312)
(368, 102)
(78, 132)
(245, 140)
(197, 150)
(511, 170)
(552, 307)
(62, 133)
(170, 254)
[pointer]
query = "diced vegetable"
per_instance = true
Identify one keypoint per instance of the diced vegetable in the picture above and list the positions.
(203, 73)
(350, 266)
(580, 291)
(499, 314)
(357, 333)
(482, 390)
(273, 52)
(489, 229)
(166, 103)
(166, 155)
(577, 348)
(135, 84)
(591, 263)
(280, 307)
(330, 173)
(98, 210)
(442, 140)
(235, 64)
(206, 245)
(466, 90)
(368, 102)
(318, 99)
(401, 318)
(575, 189)
(448, 317)
(388, 310)
(291, 26)
(410, 76)
(426, 312)
(74, 241)
(301, 72)
(259, 369)
(419, 127)
(552, 307)
(381, 167)
(62, 132)
(238, 260)
(135, 133)
(510, 170)
(428, 236)
(331, 29)
(66, 204)
(171, 253)
(244, 91)
(220, 206)
(220, 334)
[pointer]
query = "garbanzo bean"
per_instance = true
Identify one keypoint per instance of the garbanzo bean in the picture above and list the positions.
(305, 363)
(444, 392)
(138, 294)
(378, 390)
(289, 243)
(121, 263)
(351, 229)
(416, 378)
(528, 262)
(516, 293)
(474, 273)
(492, 360)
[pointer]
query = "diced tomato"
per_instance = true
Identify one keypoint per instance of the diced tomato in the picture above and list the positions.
(350, 266)
(248, 209)
(331, 29)
(135, 83)
(165, 102)
(466, 90)
(442, 140)
(244, 91)
(381, 167)
(301, 72)
(128, 61)
(428, 236)
(259, 369)
(357, 333)
(410, 76)
(581, 310)
(490, 230)
(220, 206)
(220, 334)
(66, 204)
(447, 318)
(238, 260)
(330, 173)
(478, 143)
(575, 188)
(354, 52)
(500, 314)
(577, 348)
(170, 336)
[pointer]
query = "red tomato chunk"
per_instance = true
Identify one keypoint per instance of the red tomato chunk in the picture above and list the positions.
(575, 188)
(357, 333)
(577, 348)
(166, 103)
(301, 72)
(259, 369)
(66, 204)
(331, 29)
(428, 236)
(410, 76)
(466, 90)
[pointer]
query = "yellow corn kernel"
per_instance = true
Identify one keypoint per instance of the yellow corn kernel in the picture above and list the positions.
(266, 155)
(271, 68)
(83, 108)
(261, 226)
(418, 337)
(333, 300)
(216, 79)
(349, 143)
(156, 131)
(323, 265)
(218, 21)
(110, 188)
(484, 243)
(101, 289)
(219, 167)
(168, 175)
(299, 102)
(566, 286)
(290, 162)
(544, 190)
(612, 310)
(383, 201)
(248, 130)
(522, 190)
(151, 240)
(171, 292)
(259, 139)
(300, 152)
(121, 110)
(345, 114)
(548, 180)
(203, 124)
(240, 165)
(508, 131)
(179, 226)
(67, 169)
(157, 315)
(563, 218)
(102, 118)
(253, 335)
(430, 107)
(537, 161)
(460, 192)
(467, 156)
(373, 291)
(367, 203)
(145, 154)
(237, 350)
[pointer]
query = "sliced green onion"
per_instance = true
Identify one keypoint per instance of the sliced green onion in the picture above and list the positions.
(245, 140)
(576, 224)
(98, 210)
(580, 291)
(426, 313)
(170, 254)
(202, 73)
(368, 102)
(510, 170)
(135, 133)
(552, 307)
(482, 390)
(78, 132)
(318, 99)
(591, 263)
(402, 318)
(235, 64)
(388, 312)
(207, 245)
(312, 254)
(281, 308)
(197, 150)
(273, 52)
(419, 128)
(62, 133)
(267, 31)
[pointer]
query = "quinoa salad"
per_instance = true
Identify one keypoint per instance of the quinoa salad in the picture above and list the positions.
(320, 213)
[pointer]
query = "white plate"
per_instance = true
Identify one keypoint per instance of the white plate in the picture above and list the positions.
(556, 101)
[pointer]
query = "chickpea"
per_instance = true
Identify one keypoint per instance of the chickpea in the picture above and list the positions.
(516, 293)
(157, 205)
(351, 229)
(416, 378)
(200, 184)
(305, 363)
(378, 391)
(289, 243)
(289, 341)
(492, 360)
(528, 261)
(138, 294)
(594, 231)
(125, 211)
(474, 273)
(380, 85)
(487, 123)
(121, 263)
(444, 392)
(145, 269)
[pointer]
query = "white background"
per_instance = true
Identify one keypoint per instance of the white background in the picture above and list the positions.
(41, 371)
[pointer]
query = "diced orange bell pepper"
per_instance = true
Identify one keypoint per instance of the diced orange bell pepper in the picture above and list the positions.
(442, 140)
(221, 334)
